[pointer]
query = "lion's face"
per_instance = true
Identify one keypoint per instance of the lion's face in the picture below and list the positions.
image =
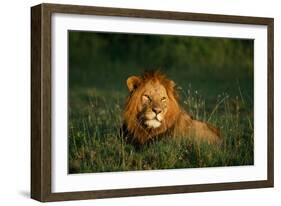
(153, 105)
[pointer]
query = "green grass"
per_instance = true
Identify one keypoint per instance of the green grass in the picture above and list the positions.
(95, 144)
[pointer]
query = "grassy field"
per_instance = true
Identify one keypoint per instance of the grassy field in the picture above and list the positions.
(97, 92)
(96, 146)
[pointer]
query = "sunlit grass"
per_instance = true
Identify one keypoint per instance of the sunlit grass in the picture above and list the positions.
(95, 144)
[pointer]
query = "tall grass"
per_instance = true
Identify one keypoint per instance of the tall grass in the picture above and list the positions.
(95, 144)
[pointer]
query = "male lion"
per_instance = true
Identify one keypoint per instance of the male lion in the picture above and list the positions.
(152, 110)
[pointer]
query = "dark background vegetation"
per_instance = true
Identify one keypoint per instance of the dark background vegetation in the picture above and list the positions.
(215, 82)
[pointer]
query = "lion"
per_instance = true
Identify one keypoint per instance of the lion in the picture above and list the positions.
(152, 110)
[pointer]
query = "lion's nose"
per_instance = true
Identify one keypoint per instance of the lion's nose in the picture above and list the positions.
(157, 110)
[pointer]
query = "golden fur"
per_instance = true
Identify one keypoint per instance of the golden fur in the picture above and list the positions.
(152, 110)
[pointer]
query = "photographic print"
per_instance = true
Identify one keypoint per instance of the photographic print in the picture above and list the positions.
(153, 102)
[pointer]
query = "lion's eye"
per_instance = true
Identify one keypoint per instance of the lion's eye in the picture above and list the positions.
(163, 99)
(146, 98)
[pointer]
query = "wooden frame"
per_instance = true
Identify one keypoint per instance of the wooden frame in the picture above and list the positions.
(41, 102)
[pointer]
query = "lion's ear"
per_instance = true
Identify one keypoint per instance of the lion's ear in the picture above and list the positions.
(173, 84)
(133, 82)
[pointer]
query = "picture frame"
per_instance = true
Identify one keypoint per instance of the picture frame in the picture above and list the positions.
(41, 101)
